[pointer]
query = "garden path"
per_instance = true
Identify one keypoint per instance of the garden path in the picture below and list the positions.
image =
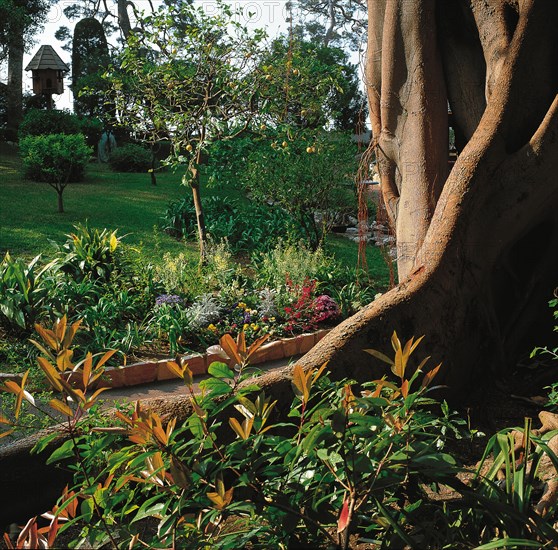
(168, 388)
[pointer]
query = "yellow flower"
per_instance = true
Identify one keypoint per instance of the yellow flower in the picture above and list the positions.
(246, 326)
(254, 326)
(241, 305)
(272, 319)
(212, 327)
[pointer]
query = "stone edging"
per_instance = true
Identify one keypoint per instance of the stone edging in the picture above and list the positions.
(152, 371)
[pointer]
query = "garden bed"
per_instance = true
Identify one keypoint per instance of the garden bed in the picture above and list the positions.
(145, 372)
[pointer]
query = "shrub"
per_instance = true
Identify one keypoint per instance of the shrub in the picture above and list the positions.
(55, 159)
(295, 262)
(342, 463)
(249, 228)
(130, 158)
(306, 179)
(88, 253)
(178, 275)
(42, 122)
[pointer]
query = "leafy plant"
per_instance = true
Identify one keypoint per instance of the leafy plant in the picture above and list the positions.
(89, 253)
(295, 261)
(245, 227)
(56, 159)
(353, 296)
(305, 175)
(347, 461)
(131, 158)
(23, 291)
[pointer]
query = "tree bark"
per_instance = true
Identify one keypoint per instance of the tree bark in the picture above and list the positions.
(14, 99)
(483, 259)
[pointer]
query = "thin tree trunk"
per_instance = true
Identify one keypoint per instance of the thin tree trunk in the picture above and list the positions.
(60, 200)
(14, 97)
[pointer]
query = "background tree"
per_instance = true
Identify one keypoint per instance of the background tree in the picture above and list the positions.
(19, 21)
(332, 22)
(192, 78)
(90, 58)
(313, 86)
(114, 16)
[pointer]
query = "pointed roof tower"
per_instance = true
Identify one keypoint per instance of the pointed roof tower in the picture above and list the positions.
(47, 58)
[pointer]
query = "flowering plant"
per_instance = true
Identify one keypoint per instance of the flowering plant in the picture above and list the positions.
(168, 299)
(306, 311)
(299, 316)
(325, 309)
(241, 317)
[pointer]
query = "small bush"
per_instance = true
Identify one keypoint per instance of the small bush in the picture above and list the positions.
(294, 262)
(39, 122)
(55, 158)
(310, 177)
(248, 228)
(88, 253)
(130, 158)
(23, 291)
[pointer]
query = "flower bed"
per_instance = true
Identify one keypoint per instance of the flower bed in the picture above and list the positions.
(152, 371)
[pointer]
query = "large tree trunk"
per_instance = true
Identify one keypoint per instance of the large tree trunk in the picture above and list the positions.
(482, 241)
(477, 249)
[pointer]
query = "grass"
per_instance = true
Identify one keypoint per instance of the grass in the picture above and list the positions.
(123, 201)
(127, 202)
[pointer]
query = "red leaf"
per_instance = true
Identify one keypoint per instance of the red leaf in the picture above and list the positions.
(343, 521)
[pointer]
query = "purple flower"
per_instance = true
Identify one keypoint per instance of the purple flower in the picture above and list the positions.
(247, 318)
(325, 308)
(170, 299)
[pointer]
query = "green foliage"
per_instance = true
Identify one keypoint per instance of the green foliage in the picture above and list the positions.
(510, 467)
(43, 122)
(352, 297)
(552, 353)
(23, 291)
(323, 87)
(56, 158)
(245, 227)
(88, 254)
(296, 261)
(130, 158)
(346, 461)
(178, 275)
(306, 177)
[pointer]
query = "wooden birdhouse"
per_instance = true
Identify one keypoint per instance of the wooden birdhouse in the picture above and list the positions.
(48, 72)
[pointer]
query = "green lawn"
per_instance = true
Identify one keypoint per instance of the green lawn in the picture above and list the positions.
(127, 202)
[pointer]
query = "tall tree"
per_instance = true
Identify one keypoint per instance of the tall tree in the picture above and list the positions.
(19, 21)
(90, 58)
(476, 245)
(332, 22)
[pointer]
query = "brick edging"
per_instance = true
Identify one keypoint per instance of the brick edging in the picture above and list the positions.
(151, 371)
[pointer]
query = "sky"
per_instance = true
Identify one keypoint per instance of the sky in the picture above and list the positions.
(269, 14)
